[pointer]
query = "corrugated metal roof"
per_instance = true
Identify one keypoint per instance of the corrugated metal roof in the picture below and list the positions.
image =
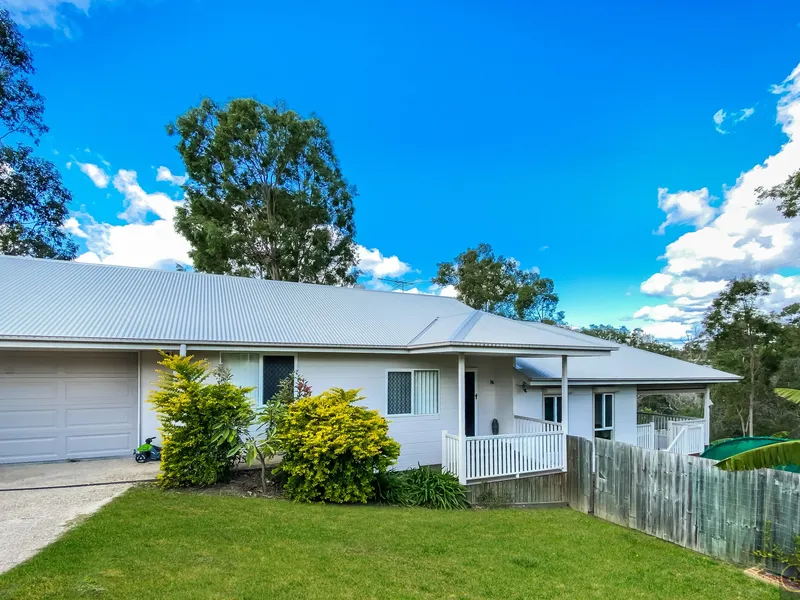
(47, 299)
(626, 364)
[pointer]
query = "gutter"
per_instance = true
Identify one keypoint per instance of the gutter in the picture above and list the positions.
(549, 382)
(173, 345)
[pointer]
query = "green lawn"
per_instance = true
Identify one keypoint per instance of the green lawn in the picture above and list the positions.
(157, 545)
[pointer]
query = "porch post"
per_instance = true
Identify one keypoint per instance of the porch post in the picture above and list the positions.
(707, 415)
(462, 439)
(564, 408)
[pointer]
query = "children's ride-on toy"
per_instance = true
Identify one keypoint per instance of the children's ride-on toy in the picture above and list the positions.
(147, 451)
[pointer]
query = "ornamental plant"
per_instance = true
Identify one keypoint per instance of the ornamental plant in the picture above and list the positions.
(422, 486)
(252, 435)
(332, 448)
(189, 410)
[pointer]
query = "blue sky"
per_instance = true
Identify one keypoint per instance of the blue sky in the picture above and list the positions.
(544, 130)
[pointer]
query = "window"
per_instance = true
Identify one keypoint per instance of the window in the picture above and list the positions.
(412, 392)
(244, 371)
(604, 416)
(552, 409)
(275, 370)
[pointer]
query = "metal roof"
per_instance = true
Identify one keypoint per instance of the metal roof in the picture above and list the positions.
(68, 301)
(626, 364)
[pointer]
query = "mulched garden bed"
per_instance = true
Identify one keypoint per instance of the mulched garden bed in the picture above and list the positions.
(773, 579)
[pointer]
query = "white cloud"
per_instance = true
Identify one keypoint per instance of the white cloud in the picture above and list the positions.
(719, 118)
(146, 239)
(449, 291)
(685, 207)
(723, 121)
(139, 203)
(98, 176)
(660, 312)
(669, 331)
(374, 263)
(45, 13)
(741, 237)
(164, 174)
(73, 227)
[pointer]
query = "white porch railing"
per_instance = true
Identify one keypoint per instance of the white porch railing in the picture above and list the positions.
(450, 453)
(682, 435)
(660, 421)
(646, 436)
(531, 425)
(508, 455)
(686, 437)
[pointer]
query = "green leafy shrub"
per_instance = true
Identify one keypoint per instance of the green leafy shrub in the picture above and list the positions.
(333, 449)
(435, 489)
(253, 434)
(785, 564)
(391, 487)
(189, 410)
(422, 486)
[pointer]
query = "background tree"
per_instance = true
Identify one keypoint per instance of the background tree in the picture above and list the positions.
(786, 194)
(33, 201)
(686, 404)
(265, 197)
(636, 338)
(742, 338)
(498, 285)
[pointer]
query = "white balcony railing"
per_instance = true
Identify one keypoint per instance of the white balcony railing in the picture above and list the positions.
(510, 455)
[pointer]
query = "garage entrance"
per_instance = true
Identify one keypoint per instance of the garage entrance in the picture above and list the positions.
(62, 405)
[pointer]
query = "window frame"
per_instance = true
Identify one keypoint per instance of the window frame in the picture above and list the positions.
(413, 398)
(558, 408)
(605, 427)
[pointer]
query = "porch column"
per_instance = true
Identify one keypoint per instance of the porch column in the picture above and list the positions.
(462, 438)
(707, 404)
(564, 407)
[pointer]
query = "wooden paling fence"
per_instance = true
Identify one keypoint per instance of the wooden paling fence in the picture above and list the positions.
(684, 499)
(580, 486)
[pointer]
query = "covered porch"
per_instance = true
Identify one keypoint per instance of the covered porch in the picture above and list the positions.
(535, 446)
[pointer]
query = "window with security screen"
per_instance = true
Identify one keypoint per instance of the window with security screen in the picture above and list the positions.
(275, 369)
(412, 392)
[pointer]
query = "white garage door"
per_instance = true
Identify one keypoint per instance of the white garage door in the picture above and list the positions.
(62, 405)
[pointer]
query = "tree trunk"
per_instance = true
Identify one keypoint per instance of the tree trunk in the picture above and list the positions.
(752, 394)
(263, 477)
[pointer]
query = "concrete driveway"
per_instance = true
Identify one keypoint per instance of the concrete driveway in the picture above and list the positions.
(38, 502)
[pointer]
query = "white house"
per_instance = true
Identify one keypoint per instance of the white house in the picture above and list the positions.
(477, 393)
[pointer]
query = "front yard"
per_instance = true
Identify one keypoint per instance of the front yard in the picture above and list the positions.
(154, 544)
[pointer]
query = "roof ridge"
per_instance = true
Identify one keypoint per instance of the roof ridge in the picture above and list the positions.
(568, 332)
(466, 326)
(424, 329)
(216, 275)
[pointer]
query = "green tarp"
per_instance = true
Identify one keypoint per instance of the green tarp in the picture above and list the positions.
(726, 448)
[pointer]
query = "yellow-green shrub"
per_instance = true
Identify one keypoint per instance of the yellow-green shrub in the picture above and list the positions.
(333, 449)
(189, 409)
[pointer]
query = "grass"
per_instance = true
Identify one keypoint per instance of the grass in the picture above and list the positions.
(154, 544)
